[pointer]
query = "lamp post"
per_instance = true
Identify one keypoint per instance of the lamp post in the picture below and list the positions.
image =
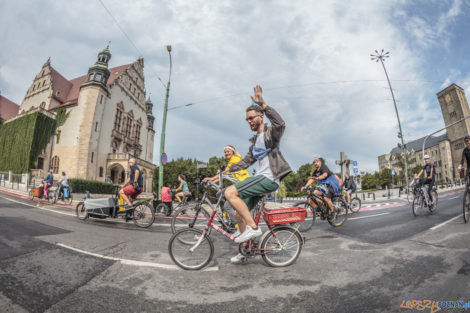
(162, 138)
(381, 56)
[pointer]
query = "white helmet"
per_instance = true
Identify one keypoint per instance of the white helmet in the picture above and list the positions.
(426, 156)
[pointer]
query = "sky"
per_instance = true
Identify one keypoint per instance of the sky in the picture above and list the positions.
(312, 59)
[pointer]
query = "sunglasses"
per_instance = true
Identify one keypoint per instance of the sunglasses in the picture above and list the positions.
(251, 118)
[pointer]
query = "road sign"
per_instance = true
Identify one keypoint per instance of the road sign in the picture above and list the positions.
(393, 172)
(164, 158)
(355, 163)
(355, 170)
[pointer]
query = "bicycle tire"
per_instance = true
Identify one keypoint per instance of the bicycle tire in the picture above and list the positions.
(68, 200)
(355, 205)
(281, 236)
(51, 197)
(466, 206)
(310, 216)
(141, 213)
(80, 211)
(30, 195)
(417, 202)
(180, 251)
(189, 217)
(162, 209)
(341, 213)
(433, 207)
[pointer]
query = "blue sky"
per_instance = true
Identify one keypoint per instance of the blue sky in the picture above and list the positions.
(311, 57)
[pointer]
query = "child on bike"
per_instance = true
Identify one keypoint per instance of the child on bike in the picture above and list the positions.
(182, 192)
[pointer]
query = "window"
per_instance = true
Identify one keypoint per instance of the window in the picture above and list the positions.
(96, 126)
(101, 171)
(34, 87)
(453, 114)
(128, 127)
(137, 133)
(117, 120)
(44, 83)
(98, 77)
(114, 146)
(90, 77)
(43, 105)
(133, 91)
(58, 136)
(92, 155)
(101, 99)
(55, 164)
(41, 163)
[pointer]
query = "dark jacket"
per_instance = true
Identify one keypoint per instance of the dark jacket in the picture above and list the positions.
(272, 139)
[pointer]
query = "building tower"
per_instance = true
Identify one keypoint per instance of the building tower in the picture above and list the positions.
(454, 107)
(98, 74)
(150, 129)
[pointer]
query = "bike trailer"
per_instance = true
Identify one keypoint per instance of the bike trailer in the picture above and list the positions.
(38, 192)
(284, 215)
(101, 206)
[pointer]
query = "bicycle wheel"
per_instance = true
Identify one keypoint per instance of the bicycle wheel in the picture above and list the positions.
(417, 204)
(51, 197)
(162, 210)
(282, 246)
(68, 200)
(192, 217)
(143, 215)
(310, 216)
(30, 195)
(433, 206)
(183, 250)
(81, 212)
(466, 206)
(355, 205)
(341, 213)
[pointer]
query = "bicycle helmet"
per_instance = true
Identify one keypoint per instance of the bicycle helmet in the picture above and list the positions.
(426, 156)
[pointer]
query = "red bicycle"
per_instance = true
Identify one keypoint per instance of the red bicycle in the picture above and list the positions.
(280, 245)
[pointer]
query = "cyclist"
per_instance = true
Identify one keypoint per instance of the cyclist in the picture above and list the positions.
(62, 184)
(270, 166)
(48, 182)
(233, 157)
(465, 155)
(182, 191)
(135, 181)
(349, 186)
(327, 184)
(430, 170)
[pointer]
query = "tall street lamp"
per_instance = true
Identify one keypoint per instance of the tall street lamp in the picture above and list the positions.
(162, 138)
(381, 56)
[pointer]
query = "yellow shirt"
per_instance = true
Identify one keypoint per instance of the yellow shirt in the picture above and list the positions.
(240, 175)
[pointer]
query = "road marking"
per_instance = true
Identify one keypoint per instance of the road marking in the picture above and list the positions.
(132, 262)
(442, 224)
(38, 207)
(453, 198)
(356, 218)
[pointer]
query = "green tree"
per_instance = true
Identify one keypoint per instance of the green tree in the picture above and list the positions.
(368, 181)
(384, 177)
(282, 192)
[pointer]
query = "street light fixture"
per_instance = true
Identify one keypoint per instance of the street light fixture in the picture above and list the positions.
(381, 56)
(162, 138)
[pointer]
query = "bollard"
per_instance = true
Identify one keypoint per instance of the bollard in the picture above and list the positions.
(373, 194)
(363, 196)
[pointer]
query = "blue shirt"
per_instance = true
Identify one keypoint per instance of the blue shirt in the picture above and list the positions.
(50, 179)
(140, 179)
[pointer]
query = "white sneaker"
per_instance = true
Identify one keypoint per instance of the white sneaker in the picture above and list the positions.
(248, 234)
(239, 258)
(236, 233)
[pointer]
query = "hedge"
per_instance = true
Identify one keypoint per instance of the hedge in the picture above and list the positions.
(93, 186)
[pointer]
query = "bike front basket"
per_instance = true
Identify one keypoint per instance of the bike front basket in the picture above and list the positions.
(284, 215)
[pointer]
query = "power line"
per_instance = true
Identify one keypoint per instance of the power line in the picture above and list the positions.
(300, 85)
(128, 38)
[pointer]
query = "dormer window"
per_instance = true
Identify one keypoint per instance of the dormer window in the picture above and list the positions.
(98, 77)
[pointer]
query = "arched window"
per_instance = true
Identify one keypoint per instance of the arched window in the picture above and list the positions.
(101, 171)
(43, 105)
(55, 164)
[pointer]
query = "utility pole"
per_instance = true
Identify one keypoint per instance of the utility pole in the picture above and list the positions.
(381, 57)
(162, 138)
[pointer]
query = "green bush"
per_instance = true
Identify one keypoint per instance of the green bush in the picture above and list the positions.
(93, 186)
(296, 193)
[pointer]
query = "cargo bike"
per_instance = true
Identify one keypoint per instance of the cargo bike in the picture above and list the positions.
(141, 212)
(192, 248)
(38, 192)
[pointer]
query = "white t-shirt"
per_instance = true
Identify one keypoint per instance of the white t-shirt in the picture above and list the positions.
(262, 166)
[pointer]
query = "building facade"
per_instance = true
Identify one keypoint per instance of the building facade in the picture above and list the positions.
(445, 150)
(109, 120)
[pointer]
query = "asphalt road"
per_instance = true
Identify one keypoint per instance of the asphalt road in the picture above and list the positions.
(52, 262)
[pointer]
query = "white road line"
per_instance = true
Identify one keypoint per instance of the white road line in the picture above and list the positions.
(37, 207)
(442, 224)
(454, 198)
(132, 262)
(356, 218)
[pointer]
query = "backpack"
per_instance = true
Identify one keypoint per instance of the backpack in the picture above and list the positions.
(340, 181)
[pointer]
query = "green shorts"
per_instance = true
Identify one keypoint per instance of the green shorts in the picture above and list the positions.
(251, 188)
